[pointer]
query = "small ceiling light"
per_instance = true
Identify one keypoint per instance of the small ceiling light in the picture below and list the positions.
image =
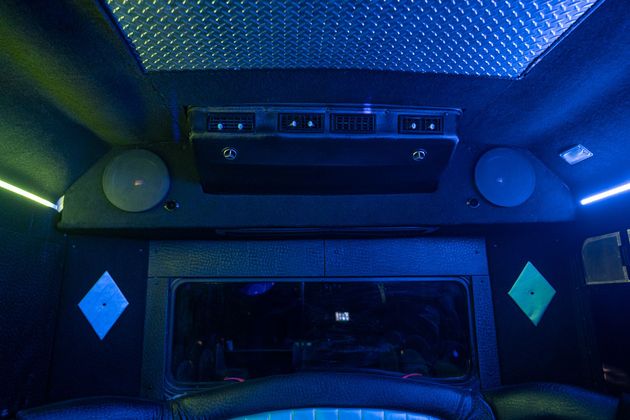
(605, 194)
(576, 154)
(30, 196)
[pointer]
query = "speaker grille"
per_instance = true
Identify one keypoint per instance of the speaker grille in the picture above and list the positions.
(225, 122)
(136, 180)
(353, 123)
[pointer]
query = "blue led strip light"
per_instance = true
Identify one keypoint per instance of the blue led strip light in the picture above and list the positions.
(500, 38)
(605, 194)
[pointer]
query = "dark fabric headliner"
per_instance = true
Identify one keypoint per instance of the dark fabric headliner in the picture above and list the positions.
(72, 88)
(69, 89)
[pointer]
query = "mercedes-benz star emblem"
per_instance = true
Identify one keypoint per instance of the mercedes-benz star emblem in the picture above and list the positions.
(230, 153)
(419, 155)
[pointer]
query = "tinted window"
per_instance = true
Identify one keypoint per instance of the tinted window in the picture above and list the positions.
(250, 330)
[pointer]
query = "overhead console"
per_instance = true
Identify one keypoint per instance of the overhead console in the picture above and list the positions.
(314, 167)
(321, 149)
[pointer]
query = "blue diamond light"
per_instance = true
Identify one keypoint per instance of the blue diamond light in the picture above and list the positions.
(474, 37)
(103, 305)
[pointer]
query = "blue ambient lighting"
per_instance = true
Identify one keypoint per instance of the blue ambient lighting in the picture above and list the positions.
(605, 194)
(30, 196)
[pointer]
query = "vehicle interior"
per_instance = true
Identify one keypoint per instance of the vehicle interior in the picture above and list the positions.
(315, 209)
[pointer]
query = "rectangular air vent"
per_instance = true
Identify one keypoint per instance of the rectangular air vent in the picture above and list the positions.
(408, 124)
(231, 122)
(353, 123)
(301, 122)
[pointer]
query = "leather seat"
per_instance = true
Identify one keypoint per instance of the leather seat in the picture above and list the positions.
(386, 397)
(99, 408)
(551, 401)
(308, 390)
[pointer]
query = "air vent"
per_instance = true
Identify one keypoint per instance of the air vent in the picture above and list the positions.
(301, 122)
(231, 122)
(408, 124)
(353, 123)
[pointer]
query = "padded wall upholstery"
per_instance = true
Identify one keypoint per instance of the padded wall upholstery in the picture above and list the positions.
(555, 350)
(31, 257)
(82, 364)
(69, 90)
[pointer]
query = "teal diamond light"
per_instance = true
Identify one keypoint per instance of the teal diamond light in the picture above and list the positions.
(532, 293)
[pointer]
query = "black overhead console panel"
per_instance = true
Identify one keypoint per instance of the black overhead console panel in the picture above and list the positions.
(321, 149)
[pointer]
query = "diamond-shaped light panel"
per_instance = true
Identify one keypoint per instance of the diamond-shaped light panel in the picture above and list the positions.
(103, 305)
(473, 37)
(532, 293)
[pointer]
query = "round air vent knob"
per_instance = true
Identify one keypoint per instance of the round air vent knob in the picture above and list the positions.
(505, 177)
(136, 180)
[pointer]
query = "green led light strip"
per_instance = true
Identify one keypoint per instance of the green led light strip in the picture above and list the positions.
(31, 196)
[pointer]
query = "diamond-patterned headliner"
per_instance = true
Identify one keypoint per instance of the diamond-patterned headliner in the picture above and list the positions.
(473, 37)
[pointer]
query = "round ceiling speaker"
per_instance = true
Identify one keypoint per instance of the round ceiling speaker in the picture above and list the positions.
(505, 177)
(136, 180)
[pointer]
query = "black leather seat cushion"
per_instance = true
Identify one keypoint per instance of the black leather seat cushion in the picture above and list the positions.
(311, 390)
(100, 408)
(283, 392)
(334, 390)
(550, 401)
